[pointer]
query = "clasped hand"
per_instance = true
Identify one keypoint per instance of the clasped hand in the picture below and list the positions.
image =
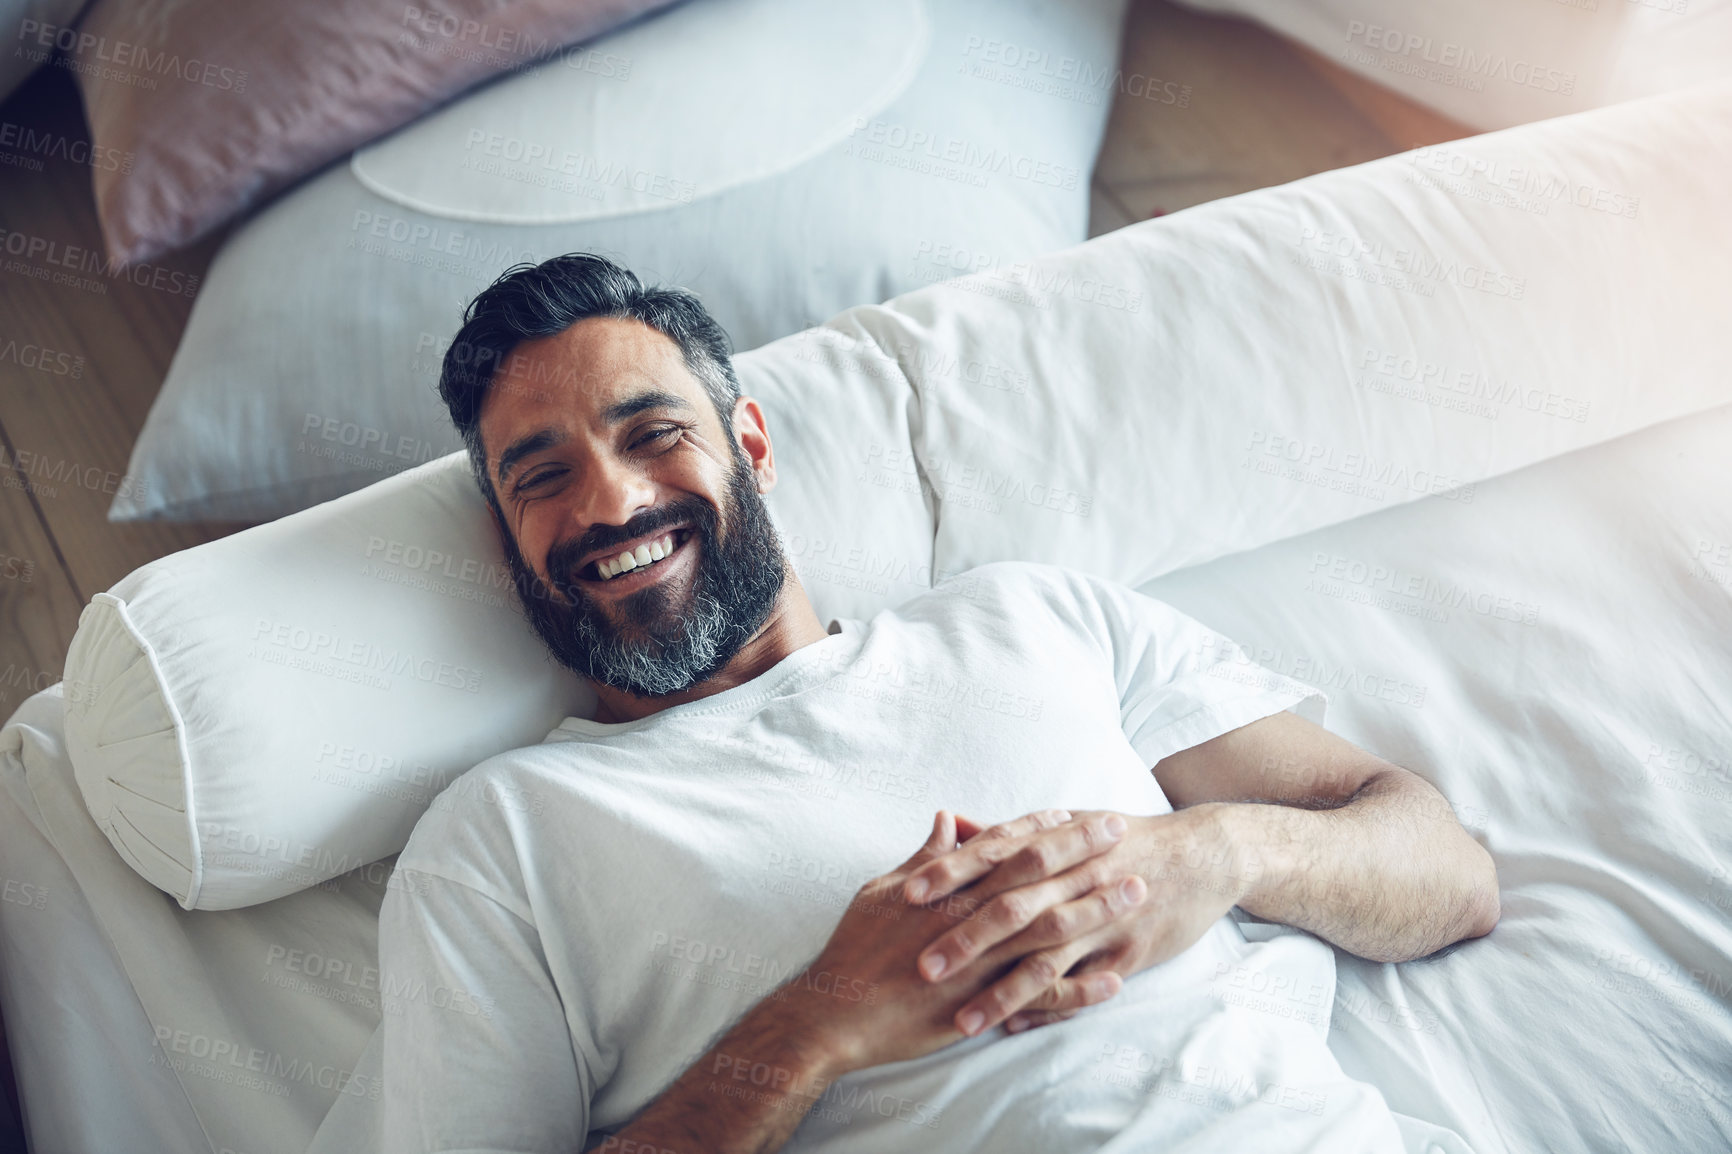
(1023, 923)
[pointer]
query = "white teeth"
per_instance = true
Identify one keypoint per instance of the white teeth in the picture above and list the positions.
(646, 554)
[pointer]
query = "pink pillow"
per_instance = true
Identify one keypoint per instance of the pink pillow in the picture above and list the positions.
(222, 102)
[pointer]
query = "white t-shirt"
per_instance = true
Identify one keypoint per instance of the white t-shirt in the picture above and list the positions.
(589, 915)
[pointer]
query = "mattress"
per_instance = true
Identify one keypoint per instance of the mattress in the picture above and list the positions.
(1555, 655)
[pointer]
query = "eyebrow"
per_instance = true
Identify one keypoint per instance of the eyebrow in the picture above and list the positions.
(614, 414)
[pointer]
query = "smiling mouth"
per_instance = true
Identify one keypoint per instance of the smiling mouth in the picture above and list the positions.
(632, 563)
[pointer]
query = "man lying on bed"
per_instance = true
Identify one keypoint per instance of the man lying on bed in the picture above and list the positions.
(694, 924)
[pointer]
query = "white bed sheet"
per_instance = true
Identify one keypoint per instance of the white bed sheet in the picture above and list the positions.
(1575, 705)
(1565, 678)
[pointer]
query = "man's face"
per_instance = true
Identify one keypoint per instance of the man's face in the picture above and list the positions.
(600, 441)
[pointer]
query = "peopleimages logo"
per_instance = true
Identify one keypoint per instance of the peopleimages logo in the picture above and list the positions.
(234, 846)
(874, 139)
(222, 1059)
(465, 38)
(273, 639)
(48, 255)
(1067, 77)
(368, 440)
(585, 169)
(1525, 186)
(91, 50)
(409, 555)
(501, 39)
(59, 146)
(23, 469)
(42, 359)
(1408, 265)
(1471, 383)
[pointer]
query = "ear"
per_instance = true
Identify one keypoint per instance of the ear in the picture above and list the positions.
(752, 433)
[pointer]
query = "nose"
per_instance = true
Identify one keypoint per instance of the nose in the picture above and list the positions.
(611, 492)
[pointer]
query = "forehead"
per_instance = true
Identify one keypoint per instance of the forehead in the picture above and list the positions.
(576, 376)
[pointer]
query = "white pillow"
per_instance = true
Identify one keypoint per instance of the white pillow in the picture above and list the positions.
(1494, 64)
(258, 714)
(1259, 366)
(308, 366)
(690, 128)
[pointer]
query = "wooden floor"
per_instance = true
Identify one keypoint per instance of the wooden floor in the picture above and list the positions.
(79, 368)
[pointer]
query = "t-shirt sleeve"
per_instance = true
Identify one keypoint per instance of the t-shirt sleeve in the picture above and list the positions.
(478, 1056)
(1179, 682)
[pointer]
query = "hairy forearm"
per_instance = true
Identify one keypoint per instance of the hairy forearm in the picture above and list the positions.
(746, 1095)
(1390, 875)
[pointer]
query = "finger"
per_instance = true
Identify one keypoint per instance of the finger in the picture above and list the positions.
(980, 927)
(1033, 1019)
(1013, 860)
(1037, 983)
(1101, 960)
(1042, 855)
(998, 839)
(1050, 913)
(967, 827)
(943, 836)
(1075, 991)
(1096, 909)
(941, 840)
(1021, 826)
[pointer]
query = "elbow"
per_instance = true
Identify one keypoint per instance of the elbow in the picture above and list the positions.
(1475, 910)
(1485, 904)
(1491, 910)
(1474, 915)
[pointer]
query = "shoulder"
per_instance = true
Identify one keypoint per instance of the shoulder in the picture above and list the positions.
(476, 829)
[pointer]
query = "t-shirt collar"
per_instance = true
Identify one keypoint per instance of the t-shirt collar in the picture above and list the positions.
(811, 662)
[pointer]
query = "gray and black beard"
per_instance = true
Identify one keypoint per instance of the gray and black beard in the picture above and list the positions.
(659, 647)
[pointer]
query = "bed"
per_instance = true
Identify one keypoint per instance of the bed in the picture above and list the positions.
(1544, 638)
(1587, 748)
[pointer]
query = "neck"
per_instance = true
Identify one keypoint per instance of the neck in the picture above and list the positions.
(792, 624)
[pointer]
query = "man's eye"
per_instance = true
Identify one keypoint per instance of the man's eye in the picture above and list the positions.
(660, 434)
(535, 479)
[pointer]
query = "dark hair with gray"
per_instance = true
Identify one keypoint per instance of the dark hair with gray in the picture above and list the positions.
(530, 301)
